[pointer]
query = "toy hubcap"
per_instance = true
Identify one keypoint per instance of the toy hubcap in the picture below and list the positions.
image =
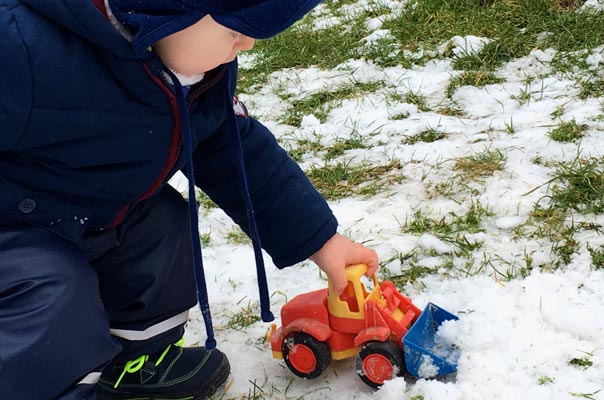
(378, 368)
(302, 358)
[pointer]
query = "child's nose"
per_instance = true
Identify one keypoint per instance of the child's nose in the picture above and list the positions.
(246, 43)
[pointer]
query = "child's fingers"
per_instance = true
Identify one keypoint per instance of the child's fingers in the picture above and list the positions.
(368, 257)
(371, 269)
(339, 281)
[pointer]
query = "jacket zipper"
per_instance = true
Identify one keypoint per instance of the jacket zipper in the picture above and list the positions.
(176, 142)
(204, 85)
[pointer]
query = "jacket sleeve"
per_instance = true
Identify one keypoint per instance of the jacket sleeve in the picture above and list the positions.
(294, 220)
(15, 81)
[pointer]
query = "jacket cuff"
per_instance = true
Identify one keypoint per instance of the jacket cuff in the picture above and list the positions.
(311, 246)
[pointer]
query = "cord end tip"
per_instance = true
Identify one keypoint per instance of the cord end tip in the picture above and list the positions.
(267, 316)
(210, 343)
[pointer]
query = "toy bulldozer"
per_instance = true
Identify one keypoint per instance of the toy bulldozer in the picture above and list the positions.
(381, 327)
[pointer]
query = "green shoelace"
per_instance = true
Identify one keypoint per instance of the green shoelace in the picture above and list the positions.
(135, 365)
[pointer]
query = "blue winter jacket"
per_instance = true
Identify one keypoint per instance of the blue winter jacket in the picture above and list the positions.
(87, 130)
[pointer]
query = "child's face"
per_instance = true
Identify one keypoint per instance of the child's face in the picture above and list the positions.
(201, 47)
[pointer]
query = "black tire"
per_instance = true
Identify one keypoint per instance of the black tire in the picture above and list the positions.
(378, 362)
(305, 356)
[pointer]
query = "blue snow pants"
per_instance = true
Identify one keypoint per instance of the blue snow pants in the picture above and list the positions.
(67, 309)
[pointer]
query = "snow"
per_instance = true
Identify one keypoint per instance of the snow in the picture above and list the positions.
(464, 46)
(427, 368)
(445, 342)
(516, 339)
(595, 5)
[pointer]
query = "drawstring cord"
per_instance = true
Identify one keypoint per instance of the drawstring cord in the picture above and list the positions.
(265, 312)
(202, 292)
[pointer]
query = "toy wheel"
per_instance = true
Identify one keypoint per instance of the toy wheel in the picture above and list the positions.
(305, 356)
(379, 361)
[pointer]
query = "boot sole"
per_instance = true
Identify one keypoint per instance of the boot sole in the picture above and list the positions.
(217, 380)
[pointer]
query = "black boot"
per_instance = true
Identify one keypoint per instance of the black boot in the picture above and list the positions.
(191, 373)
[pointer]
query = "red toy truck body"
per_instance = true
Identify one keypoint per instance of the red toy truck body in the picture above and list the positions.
(320, 326)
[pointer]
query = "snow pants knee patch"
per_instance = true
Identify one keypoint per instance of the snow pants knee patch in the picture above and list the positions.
(53, 326)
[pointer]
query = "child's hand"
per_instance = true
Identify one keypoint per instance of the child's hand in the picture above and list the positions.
(339, 252)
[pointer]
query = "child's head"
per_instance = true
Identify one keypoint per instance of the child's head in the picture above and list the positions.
(193, 36)
(201, 47)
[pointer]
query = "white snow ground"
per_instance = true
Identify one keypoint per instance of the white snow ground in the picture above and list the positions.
(516, 337)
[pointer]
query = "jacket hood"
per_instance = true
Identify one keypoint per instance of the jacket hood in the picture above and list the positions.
(84, 19)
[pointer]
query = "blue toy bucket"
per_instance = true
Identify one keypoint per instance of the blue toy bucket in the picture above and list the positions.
(425, 355)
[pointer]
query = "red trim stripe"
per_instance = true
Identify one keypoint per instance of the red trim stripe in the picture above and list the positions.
(175, 141)
(175, 144)
(100, 4)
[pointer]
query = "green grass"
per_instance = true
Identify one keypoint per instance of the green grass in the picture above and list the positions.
(451, 228)
(591, 86)
(553, 224)
(542, 380)
(399, 116)
(342, 145)
(237, 236)
(414, 97)
(314, 146)
(597, 256)
(509, 126)
(567, 245)
(245, 317)
(417, 99)
(206, 239)
(568, 131)
(570, 63)
(451, 110)
(480, 165)
(303, 46)
(515, 28)
(410, 271)
(472, 78)
(305, 146)
(583, 362)
(321, 103)
(558, 112)
(578, 185)
(204, 201)
(513, 25)
(426, 136)
(410, 274)
(451, 223)
(343, 179)
(589, 396)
